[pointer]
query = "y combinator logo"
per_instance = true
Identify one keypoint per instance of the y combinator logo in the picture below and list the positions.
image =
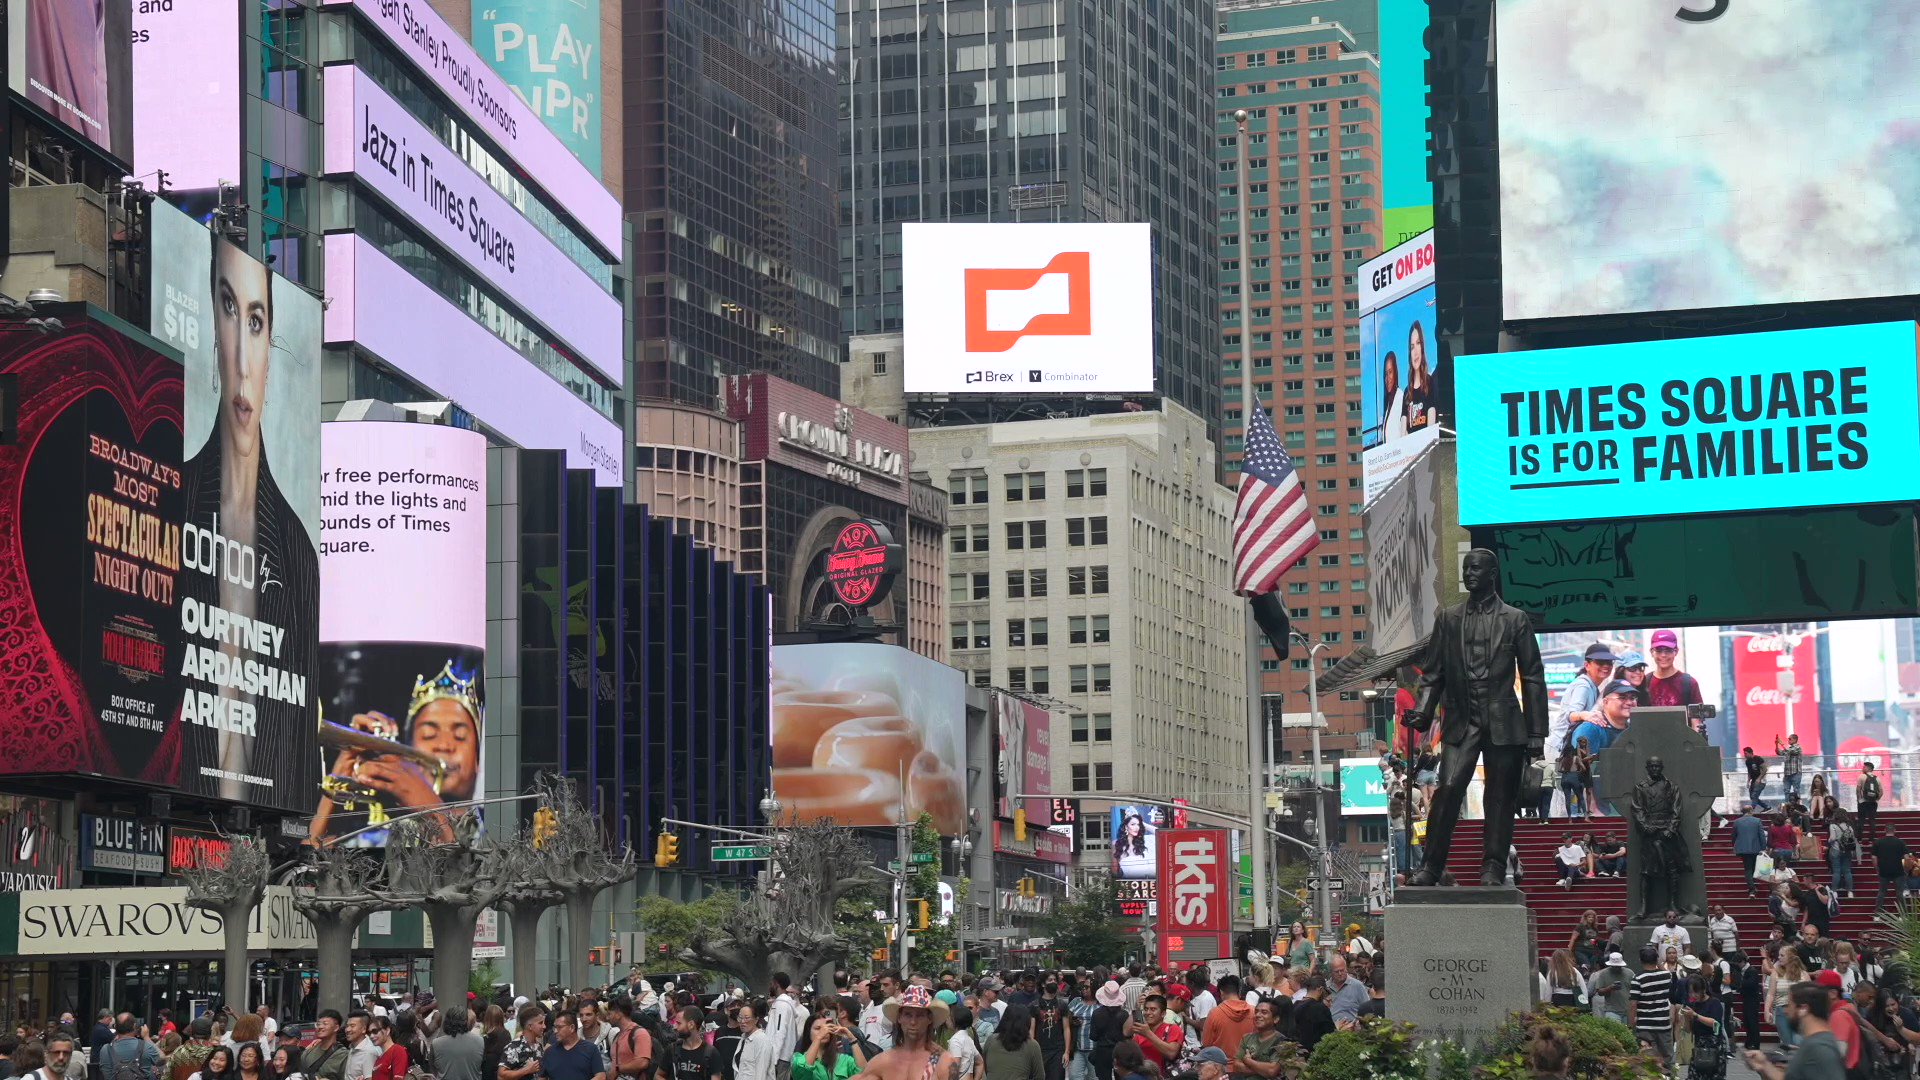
(1076, 267)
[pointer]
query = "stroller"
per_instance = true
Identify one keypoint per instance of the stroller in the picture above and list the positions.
(1710, 1054)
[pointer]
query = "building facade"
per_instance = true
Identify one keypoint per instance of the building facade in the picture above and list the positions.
(1032, 110)
(1314, 206)
(686, 470)
(729, 141)
(1087, 571)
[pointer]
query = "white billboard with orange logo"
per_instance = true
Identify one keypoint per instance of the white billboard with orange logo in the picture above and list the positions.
(863, 732)
(1018, 308)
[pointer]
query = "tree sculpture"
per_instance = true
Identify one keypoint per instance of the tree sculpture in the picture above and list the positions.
(232, 886)
(572, 856)
(453, 883)
(345, 887)
(787, 923)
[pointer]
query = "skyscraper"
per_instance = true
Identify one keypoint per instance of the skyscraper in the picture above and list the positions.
(1314, 207)
(1033, 110)
(729, 114)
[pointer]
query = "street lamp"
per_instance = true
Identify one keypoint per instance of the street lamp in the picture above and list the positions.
(770, 809)
(1322, 866)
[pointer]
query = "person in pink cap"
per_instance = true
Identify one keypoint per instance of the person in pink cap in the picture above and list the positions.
(1668, 685)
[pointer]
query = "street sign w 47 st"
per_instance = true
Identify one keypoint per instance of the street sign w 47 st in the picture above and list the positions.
(741, 852)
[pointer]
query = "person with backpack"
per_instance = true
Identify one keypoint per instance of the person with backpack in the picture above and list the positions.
(632, 1052)
(1107, 1027)
(1867, 794)
(128, 1056)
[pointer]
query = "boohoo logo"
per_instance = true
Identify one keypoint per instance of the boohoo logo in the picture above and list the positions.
(210, 553)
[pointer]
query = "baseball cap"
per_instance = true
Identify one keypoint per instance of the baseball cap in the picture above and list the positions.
(1664, 639)
(1597, 651)
(1619, 686)
(1211, 1054)
(1179, 991)
(1633, 659)
(1828, 978)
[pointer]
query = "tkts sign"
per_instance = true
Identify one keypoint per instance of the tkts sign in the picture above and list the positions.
(1196, 895)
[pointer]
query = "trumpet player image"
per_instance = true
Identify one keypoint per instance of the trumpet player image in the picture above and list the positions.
(384, 770)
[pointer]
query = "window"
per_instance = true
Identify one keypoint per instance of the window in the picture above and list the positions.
(1030, 487)
(965, 488)
(1102, 678)
(965, 538)
(1092, 727)
(962, 588)
(1098, 577)
(1093, 832)
(1017, 633)
(1026, 584)
(1037, 680)
(1103, 776)
(1087, 532)
(983, 677)
(1017, 678)
(970, 635)
(1081, 777)
(1329, 560)
(1026, 535)
(1077, 681)
(1100, 633)
(1076, 581)
(1077, 630)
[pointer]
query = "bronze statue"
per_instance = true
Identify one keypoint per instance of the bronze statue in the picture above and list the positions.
(1473, 654)
(1657, 814)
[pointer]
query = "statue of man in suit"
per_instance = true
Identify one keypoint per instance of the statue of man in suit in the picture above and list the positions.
(1473, 655)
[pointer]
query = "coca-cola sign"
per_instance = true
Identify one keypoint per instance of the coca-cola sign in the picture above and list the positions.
(1765, 692)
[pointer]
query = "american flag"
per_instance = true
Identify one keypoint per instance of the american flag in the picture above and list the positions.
(1273, 526)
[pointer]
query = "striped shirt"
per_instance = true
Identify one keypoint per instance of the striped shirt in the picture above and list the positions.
(1653, 1001)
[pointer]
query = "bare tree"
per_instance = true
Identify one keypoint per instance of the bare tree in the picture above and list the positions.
(232, 887)
(788, 922)
(577, 861)
(346, 886)
(453, 883)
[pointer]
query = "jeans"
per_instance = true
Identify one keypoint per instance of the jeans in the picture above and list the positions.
(1754, 790)
(1081, 1067)
(1894, 885)
(1546, 803)
(1793, 785)
(1612, 865)
(1783, 856)
(1784, 1028)
(1842, 871)
(1569, 872)
(1662, 1044)
(1401, 844)
(1572, 788)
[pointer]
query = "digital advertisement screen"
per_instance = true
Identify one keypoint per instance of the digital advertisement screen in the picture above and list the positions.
(1136, 831)
(385, 148)
(1363, 791)
(550, 54)
(1790, 418)
(250, 590)
(1023, 758)
(1402, 379)
(71, 59)
(91, 506)
(1650, 161)
(1016, 308)
(380, 307)
(403, 629)
(862, 730)
(1409, 543)
(186, 100)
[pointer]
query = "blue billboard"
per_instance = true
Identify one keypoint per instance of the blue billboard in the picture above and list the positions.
(1780, 420)
(548, 51)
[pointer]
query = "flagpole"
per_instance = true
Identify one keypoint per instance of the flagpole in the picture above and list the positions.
(1257, 742)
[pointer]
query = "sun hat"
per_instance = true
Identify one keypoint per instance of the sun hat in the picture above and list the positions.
(915, 997)
(1110, 994)
(1616, 960)
(1690, 962)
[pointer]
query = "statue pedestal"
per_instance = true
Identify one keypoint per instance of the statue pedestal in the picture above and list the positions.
(1459, 960)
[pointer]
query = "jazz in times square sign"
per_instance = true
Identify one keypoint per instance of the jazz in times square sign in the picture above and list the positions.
(1780, 420)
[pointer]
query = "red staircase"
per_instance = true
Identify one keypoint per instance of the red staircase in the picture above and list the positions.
(1557, 910)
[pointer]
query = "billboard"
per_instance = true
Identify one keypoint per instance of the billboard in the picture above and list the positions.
(1363, 791)
(250, 590)
(72, 60)
(1196, 913)
(1409, 541)
(385, 310)
(1136, 852)
(1016, 308)
(1789, 418)
(384, 147)
(36, 855)
(1023, 758)
(549, 53)
(186, 93)
(403, 624)
(1401, 375)
(1770, 701)
(91, 505)
(122, 844)
(1712, 177)
(445, 60)
(861, 731)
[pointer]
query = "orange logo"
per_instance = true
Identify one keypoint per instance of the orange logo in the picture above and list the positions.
(1076, 321)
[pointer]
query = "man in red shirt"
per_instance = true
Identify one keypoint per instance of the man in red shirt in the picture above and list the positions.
(1160, 1041)
(1844, 1021)
(1668, 685)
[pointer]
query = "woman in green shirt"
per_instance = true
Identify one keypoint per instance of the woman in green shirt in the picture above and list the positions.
(1011, 1052)
(822, 1059)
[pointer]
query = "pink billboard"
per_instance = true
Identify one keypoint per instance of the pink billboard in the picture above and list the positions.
(385, 148)
(388, 312)
(186, 93)
(447, 61)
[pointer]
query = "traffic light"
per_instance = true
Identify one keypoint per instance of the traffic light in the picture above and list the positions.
(922, 914)
(880, 955)
(1020, 826)
(546, 825)
(596, 958)
(666, 850)
(1027, 887)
